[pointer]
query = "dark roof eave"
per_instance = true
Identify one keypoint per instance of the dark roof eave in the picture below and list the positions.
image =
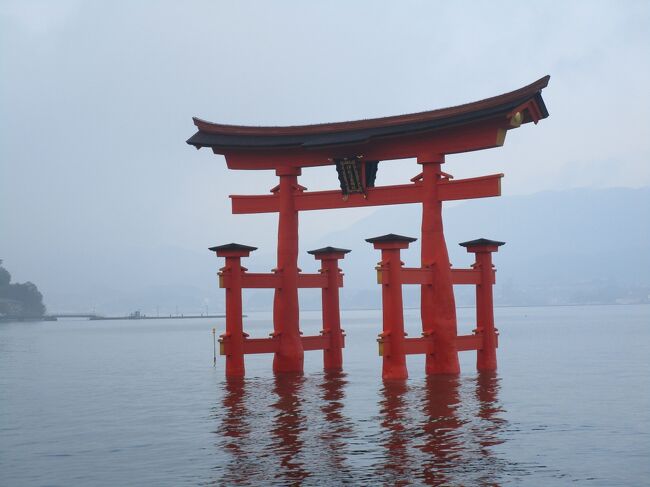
(391, 237)
(230, 137)
(232, 246)
(251, 142)
(482, 242)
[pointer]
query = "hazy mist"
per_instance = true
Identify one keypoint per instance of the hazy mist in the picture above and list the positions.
(100, 197)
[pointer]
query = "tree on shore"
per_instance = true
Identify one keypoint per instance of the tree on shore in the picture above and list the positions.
(21, 300)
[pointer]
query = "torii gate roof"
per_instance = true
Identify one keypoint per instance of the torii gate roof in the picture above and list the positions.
(248, 147)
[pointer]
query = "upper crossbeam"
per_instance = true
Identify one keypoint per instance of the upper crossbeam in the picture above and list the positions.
(448, 190)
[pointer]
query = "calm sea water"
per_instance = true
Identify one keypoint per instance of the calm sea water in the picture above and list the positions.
(138, 403)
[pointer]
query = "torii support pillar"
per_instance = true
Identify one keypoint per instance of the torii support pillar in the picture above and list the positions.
(437, 304)
(486, 358)
(329, 257)
(234, 335)
(394, 360)
(286, 326)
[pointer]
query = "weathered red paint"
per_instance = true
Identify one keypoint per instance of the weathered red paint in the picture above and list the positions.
(272, 344)
(483, 187)
(256, 280)
(465, 276)
(426, 344)
(332, 332)
(427, 136)
(290, 356)
(234, 344)
(394, 357)
(486, 358)
(392, 276)
(438, 307)
(234, 336)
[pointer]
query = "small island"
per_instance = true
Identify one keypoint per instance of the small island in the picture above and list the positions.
(19, 301)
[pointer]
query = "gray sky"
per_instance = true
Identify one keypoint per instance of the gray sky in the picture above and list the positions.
(96, 101)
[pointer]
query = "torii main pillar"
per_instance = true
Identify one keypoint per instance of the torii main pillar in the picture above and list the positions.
(286, 326)
(438, 307)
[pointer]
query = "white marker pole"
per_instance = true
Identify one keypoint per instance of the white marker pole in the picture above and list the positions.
(214, 347)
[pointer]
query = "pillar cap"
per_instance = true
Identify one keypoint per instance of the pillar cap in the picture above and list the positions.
(232, 250)
(390, 237)
(233, 246)
(391, 241)
(482, 245)
(328, 250)
(481, 242)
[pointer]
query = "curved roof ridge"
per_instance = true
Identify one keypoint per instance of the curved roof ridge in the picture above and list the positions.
(527, 91)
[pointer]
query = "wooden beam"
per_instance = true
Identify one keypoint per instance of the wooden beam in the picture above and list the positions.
(312, 281)
(379, 196)
(462, 189)
(252, 280)
(481, 187)
(419, 345)
(253, 345)
(316, 342)
(415, 275)
(426, 344)
(247, 204)
(465, 276)
(411, 275)
(469, 342)
(477, 135)
(272, 345)
(322, 200)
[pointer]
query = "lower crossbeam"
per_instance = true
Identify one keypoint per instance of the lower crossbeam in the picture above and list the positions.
(272, 345)
(425, 344)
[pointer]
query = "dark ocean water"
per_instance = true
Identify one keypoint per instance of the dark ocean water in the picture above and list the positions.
(138, 403)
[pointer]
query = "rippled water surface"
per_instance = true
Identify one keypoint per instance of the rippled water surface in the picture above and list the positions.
(138, 403)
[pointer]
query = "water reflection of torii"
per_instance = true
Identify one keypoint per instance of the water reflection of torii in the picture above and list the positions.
(270, 446)
(355, 149)
(449, 442)
(435, 443)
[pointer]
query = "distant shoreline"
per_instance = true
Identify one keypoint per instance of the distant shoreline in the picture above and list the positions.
(192, 317)
(508, 306)
(546, 305)
(82, 317)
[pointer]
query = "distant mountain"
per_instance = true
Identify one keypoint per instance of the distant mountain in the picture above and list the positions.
(563, 247)
(576, 246)
(162, 280)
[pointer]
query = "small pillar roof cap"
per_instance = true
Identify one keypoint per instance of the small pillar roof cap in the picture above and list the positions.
(391, 237)
(232, 246)
(481, 241)
(328, 250)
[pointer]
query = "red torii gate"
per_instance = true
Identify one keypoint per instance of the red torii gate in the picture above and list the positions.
(355, 148)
